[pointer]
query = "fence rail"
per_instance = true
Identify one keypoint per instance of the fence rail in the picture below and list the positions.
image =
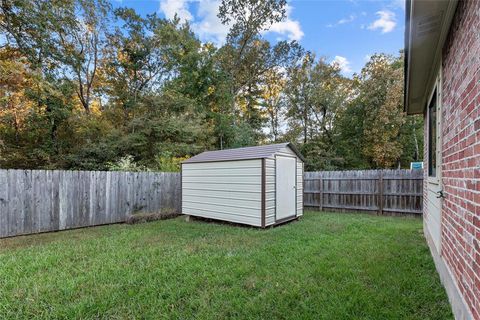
(33, 201)
(380, 191)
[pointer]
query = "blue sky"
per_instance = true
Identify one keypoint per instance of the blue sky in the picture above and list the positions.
(346, 31)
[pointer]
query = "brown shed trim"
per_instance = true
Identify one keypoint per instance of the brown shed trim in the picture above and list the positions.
(181, 188)
(280, 221)
(303, 187)
(263, 193)
(296, 187)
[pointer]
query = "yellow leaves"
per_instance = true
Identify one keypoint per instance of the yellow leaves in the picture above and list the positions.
(15, 108)
(211, 90)
(168, 163)
(274, 85)
(13, 72)
(15, 79)
(95, 108)
(122, 57)
(209, 46)
(258, 43)
(241, 104)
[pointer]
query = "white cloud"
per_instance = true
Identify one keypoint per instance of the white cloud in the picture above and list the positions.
(179, 7)
(386, 21)
(346, 20)
(289, 27)
(209, 27)
(342, 63)
(206, 24)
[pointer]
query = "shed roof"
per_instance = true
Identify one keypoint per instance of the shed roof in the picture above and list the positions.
(258, 152)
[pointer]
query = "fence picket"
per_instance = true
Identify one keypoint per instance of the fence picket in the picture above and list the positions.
(33, 201)
(382, 191)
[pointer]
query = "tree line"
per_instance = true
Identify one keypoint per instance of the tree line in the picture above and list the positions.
(85, 86)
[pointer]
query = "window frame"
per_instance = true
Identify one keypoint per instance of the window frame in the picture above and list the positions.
(437, 91)
(432, 137)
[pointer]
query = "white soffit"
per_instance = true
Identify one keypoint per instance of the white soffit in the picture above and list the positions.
(428, 26)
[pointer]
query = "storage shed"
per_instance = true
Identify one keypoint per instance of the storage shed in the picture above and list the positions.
(259, 186)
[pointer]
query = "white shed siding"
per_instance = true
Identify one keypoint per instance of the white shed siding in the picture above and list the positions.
(227, 190)
(299, 188)
(270, 192)
(286, 151)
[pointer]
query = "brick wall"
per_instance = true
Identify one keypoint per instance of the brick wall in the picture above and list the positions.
(461, 152)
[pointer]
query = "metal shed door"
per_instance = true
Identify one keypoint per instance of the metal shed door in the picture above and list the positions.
(286, 189)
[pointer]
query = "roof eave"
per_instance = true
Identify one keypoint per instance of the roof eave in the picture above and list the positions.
(408, 5)
(426, 28)
(297, 152)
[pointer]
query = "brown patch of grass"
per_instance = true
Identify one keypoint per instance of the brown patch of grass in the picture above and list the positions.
(148, 217)
(45, 238)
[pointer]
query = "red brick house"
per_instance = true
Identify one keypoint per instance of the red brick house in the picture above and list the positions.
(442, 82)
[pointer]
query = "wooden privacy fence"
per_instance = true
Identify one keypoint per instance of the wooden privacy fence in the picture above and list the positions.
(381, 191)
(33, 201)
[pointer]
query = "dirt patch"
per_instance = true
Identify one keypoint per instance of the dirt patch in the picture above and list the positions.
(148, 217)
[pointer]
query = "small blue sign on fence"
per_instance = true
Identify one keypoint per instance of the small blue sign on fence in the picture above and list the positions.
(416, 165)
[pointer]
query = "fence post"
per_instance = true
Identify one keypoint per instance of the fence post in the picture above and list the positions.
(380, 193)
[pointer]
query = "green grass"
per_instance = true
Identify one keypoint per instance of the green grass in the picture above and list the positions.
(326, 266)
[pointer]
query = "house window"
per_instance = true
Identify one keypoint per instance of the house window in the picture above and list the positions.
(432, 136)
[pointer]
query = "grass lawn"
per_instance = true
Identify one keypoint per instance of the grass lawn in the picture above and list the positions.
(326, 266)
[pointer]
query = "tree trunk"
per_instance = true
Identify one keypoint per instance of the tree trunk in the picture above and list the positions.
(417, 152)
(305, 124)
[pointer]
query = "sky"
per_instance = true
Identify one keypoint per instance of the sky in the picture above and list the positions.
(347, 32)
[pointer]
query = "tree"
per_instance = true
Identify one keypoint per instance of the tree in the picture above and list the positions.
(85, 87)
(29, 123)
(315, 91)
(246, 58)
(273, 101)
(374, 130)
(137, 58)
(14, 81)
(32, 28)
(316, 94)
(249, 17)
(82, 45)
(300, 93)
(381, 96)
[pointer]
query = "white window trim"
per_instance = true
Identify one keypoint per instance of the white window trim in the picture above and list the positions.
(437, 88)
